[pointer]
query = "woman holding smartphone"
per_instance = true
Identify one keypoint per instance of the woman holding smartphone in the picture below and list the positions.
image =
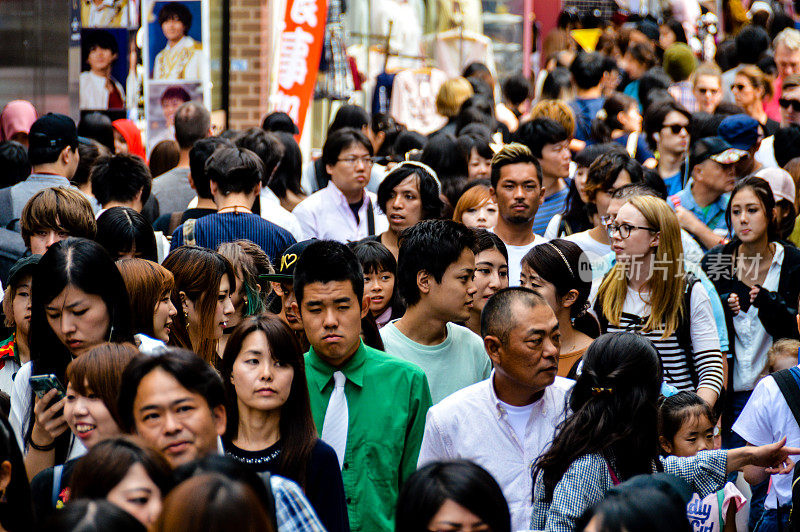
(78, 301)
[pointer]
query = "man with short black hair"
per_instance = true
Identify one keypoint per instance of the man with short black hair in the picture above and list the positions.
(270, 149)
(504, 423)
(235, 177)
(369, 406)
(549, 142)
(53, 154)
(435, 271)
(517, 189)
(172, 189)
(121, 180)
(591, 72)
(344, 210)
(175, 402)
(667, 126)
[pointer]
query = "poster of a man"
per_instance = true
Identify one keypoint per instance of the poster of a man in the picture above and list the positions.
(99, 88)
(164, 101)
(106, 13)
(182, 55)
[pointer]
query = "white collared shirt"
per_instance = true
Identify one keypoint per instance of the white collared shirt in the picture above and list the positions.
(94, 94)
(325, 214)
(751, 341)
(273, 211)
(473, 424)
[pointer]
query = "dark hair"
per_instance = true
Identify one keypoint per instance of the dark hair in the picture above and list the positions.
(234, 170)
(95, 38)
(426, 184)
(86, 265)
(198, 273)
(85, 515)
(121, 230)
(374, 256)
(341, 139)
(476, 109)
(349, 116)
(481, 87)
(677, 28)
(192, 122)
(587, 69)
(286, 177)
(555, 82)
(325, 261)
(537, 133)
(407, 141)
(724, 109)
(175, 10)
(485, 240)
(563, 264)
(605, 170)
(95, 126)
(614, 104)
(213, 503)
(120, 178)
(497, 318)
(441, 153)
(655, 115)
(636, 510)
(107, 463)
(643, 53)
(16, 511)
(430, 246)
(751, 42)
(760, 187)
(516, 89)
(675, 410)
(279, 122)
(175, 92)
(297, 431)
(787, 144)
(163, 157)
(187, 368)
(386, 124)
(463, 482)
(652, 181)
(480, 143)
(475, 68)
(705, 124)
(653, 87)
(623, 415)
(14, 163)
(201, 151)
(89, 151)
(266, 146)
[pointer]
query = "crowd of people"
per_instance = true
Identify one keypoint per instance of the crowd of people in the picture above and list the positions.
(584, 318)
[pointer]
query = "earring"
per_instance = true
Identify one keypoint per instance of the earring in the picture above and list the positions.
(3, 496)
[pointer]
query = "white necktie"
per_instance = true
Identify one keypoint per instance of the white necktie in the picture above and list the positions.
(334, 427)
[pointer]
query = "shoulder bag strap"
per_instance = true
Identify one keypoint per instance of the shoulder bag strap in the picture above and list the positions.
(787, 381)
(370, 218)
(58, 471)
(271, 507)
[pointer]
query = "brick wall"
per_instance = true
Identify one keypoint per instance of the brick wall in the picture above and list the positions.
(249, 38)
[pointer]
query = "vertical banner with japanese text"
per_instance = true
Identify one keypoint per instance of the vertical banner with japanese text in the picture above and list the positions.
(298, 55)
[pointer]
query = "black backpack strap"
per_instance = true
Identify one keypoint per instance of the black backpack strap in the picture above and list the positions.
(370, 218)
(787, 381)
(684, 331)
(272, 511)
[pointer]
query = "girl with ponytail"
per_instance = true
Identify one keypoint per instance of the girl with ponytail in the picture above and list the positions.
(620, 121)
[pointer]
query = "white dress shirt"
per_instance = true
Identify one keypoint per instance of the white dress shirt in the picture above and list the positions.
(93, 91)
(472, 424)
(325, 214)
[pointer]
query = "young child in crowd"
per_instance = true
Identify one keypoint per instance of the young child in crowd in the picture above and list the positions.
(686, 425)
(380, 268)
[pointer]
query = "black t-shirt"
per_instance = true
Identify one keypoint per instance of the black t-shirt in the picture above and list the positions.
(42, 490)
(323, 487)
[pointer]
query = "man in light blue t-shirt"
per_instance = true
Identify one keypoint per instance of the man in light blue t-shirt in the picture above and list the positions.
(435, 271)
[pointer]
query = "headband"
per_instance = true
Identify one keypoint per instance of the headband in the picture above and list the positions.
(563, 257)
(422, 166)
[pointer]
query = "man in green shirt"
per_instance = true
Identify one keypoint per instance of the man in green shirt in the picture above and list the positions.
(368, 406)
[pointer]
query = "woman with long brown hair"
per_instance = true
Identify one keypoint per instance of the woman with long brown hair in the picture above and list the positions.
(752, 89)
(204, 280)
(149, 287)
(269, 423)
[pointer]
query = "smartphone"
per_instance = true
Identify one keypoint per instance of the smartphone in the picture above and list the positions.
(41, 384)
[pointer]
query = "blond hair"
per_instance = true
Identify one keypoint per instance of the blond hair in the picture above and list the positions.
(555, 110)
(788, 37)
(706, 69)
(666, 288)
(451, 95)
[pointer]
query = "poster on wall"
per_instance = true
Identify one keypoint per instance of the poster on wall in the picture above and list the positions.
(175, 56)
(104, 68)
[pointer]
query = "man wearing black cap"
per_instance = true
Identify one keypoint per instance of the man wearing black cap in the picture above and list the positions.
(701, 205)
(282, 285)
(14, 350)
(53, 154)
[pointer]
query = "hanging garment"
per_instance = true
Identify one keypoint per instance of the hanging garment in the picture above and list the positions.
(414, 99)
(454, 49)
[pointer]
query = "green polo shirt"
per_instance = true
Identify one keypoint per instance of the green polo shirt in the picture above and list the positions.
(387, 401)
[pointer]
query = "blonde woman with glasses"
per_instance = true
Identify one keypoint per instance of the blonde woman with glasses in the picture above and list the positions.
(649, 293)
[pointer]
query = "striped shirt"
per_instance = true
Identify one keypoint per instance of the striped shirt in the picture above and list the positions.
(703, 333)
(552, 205)
(214, 229)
